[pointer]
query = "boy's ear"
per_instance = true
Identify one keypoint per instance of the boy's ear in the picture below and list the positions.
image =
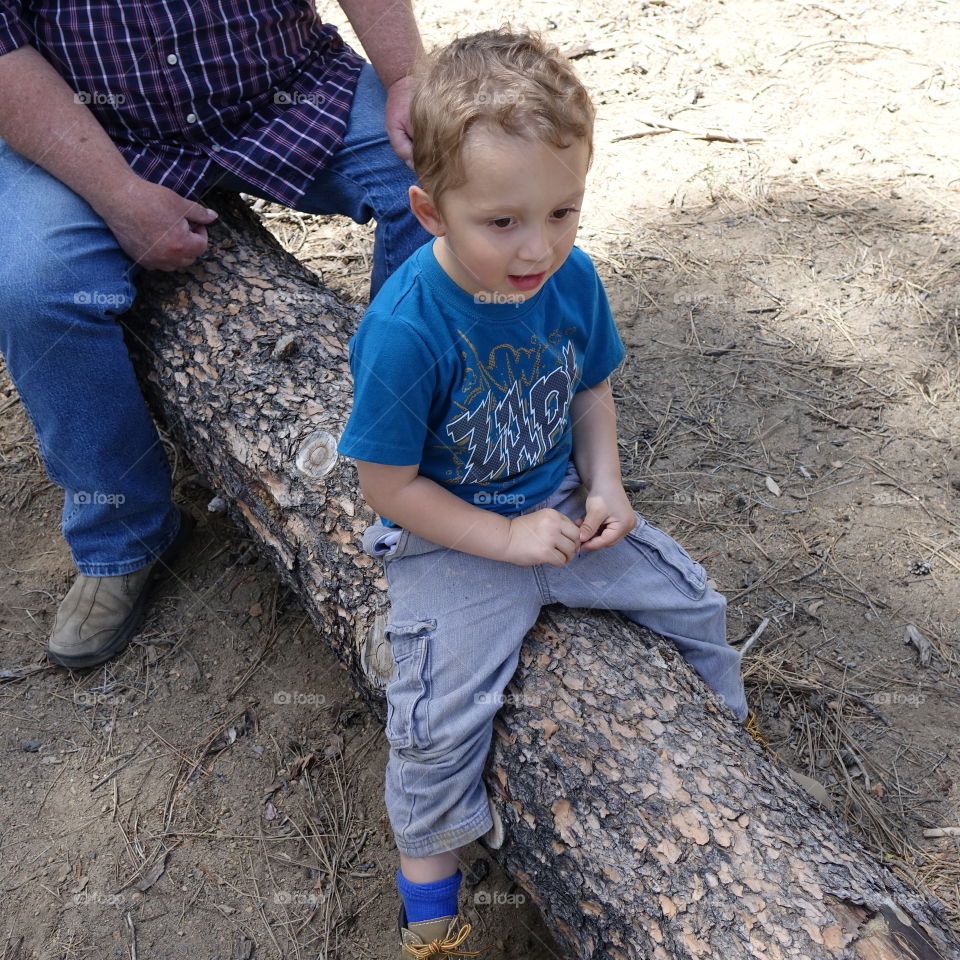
(426, 211)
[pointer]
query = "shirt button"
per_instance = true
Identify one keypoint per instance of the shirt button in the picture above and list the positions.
(172, 59)
(191, 118)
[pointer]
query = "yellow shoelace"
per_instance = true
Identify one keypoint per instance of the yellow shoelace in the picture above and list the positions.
(445, 947)
(753, 728)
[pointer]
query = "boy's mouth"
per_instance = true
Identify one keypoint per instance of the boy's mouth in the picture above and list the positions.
(528, 281)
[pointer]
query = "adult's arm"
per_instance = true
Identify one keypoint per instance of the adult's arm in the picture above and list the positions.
(388, 31)
(41, 119)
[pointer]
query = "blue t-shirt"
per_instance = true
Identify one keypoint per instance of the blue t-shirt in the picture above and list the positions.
(477, 393)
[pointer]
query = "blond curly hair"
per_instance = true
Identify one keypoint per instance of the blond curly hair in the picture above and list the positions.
(503, 79)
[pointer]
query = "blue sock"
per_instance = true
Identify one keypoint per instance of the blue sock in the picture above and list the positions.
(429, 901)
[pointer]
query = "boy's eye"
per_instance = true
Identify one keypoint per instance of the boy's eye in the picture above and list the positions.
(562, 213)
(501, 222)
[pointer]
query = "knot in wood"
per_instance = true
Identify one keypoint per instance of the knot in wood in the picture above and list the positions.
(317, 455)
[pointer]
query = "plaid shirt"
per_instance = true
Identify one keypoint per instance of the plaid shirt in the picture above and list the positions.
(261, 85)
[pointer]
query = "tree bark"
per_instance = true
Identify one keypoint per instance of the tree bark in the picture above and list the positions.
(639, 815)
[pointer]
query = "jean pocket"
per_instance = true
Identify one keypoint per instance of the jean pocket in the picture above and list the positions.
(408, 690)
(667, 556)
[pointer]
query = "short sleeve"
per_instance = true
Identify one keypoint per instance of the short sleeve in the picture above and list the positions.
(394, 375)
(605, 350)
(13, 33)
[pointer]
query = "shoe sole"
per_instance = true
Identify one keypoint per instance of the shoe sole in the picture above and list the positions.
(128, 629)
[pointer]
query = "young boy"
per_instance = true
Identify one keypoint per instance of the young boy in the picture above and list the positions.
(484, 434)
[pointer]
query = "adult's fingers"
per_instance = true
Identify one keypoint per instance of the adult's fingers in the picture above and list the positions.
(396, 118)
(179, 248)
(195, 242)
(401, 143)
(198, 213)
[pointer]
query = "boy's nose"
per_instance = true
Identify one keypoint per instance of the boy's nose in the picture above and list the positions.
(535, 246)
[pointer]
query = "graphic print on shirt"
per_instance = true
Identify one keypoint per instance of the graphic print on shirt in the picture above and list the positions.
(513, 413)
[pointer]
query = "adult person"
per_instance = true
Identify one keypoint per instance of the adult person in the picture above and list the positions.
(114, 120)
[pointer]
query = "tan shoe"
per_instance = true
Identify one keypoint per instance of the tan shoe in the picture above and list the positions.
(435, 938)
(99, 615)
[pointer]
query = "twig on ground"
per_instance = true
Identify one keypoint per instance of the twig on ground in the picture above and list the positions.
(661, 126)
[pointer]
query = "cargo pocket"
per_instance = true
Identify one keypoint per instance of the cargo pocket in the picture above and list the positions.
(667, 556)
(408, 690)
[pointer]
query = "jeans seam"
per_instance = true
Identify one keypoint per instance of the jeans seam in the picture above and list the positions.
(546, 597)
(691, 590)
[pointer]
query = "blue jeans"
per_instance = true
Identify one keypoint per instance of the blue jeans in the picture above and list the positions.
(64, 282)
(456, 626)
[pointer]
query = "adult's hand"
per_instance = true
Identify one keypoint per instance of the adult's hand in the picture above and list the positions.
(396, 118)
(41, 119)
(157, 227)
(388, 31)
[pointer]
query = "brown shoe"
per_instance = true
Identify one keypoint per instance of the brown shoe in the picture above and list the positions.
(435, 938)
(99, 615)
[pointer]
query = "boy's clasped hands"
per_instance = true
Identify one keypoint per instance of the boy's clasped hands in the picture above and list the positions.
(547, 536)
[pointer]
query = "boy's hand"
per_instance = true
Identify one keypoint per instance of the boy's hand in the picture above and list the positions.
(546, 536)
(609, 518)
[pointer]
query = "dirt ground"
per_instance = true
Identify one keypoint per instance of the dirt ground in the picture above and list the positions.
(774, 209)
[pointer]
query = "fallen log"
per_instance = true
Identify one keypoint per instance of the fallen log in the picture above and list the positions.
(642, 819)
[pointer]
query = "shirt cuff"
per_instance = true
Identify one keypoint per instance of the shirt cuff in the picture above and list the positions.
(12, 35)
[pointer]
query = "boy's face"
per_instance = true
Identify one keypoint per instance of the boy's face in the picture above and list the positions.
(513, 221)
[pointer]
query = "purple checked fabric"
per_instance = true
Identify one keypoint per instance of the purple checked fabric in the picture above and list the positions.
(263, 87)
